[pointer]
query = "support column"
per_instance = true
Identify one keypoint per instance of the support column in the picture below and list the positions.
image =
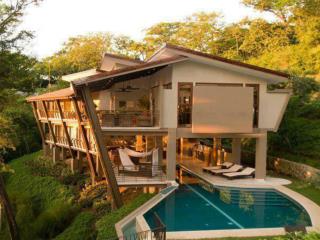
(75, 162)
(159, 145)
(171, 154)
(139, 143)
(63, 154)
(46, 149)
(236, 150)
(55, 154)
(261, 156)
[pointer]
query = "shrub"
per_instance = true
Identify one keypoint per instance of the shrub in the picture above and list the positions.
(81, 228)
(54, 220)
(105, 225)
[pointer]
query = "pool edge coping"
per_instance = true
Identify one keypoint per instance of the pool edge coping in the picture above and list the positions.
(138, 213)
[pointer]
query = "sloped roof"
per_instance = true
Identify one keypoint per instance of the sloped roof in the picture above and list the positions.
(217, 58)
(127, 70)
(55, 95)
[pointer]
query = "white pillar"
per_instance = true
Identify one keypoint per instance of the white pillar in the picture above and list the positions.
(236, 150)
(171, 154)
(159, 145)
(261, 156)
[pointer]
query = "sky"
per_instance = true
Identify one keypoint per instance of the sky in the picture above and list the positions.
(54, 21)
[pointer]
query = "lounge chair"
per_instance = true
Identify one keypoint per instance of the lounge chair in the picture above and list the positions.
(246, 172)
(234, 168)
(224, 165)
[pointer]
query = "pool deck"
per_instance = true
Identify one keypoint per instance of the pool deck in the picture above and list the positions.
(195, 166)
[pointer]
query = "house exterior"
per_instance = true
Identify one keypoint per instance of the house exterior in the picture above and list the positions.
(177, 94)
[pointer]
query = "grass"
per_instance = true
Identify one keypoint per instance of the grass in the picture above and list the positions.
(105, 226)
(81, 228)
(306, 189)
(46, 190)
(43, 206)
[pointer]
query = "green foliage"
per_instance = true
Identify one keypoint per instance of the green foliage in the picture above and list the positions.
(43, 206)
(54, 219)
(42, 166)
(80, 228)
(105, 226)
(46, 190)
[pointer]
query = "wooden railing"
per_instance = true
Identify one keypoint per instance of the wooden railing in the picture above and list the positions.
(128, 118)
(76, 142)
(53, 114)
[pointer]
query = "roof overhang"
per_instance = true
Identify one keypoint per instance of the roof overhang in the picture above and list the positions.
(107, 79)
(271, 76)
(61, 94)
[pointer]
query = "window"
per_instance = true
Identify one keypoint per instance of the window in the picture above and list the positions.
(185, 104)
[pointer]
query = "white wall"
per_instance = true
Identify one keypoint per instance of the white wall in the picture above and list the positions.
(272, 105)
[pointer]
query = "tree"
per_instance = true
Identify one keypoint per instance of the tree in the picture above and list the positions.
(282, 9)
(84, 52)
(198, 31)
(4, 200)
(10, 17)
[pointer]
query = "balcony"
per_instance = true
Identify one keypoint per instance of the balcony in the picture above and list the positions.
(128, 118)
(77, 144)
(54, 114)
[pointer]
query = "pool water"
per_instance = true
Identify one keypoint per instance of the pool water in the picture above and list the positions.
(198, 207)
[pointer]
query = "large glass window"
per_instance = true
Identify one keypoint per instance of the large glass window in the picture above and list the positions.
(185, 104)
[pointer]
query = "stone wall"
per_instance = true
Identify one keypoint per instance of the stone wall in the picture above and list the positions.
(294, 169)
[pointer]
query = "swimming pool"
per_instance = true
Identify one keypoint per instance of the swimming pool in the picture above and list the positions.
(203, 207)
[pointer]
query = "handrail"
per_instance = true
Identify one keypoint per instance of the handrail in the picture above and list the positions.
(143, 172)
(158, 233)
(134, 118)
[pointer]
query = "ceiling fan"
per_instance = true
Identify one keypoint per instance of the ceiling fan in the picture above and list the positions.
(124, 89)
(130, 88)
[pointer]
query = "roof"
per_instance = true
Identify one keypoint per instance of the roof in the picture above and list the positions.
(123, 58)
(217, 58)
(55, 95)
(77, 75)
(127, 70)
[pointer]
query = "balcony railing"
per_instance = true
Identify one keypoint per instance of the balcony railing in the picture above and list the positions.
(53, 114)
(140, 173)
(75, 142)
(128, 118)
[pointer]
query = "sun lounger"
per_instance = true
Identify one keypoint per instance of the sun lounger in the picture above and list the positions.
(224, 165)
(246, 172)
(234, 168)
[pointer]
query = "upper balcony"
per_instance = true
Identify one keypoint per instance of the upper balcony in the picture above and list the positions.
(127, 119)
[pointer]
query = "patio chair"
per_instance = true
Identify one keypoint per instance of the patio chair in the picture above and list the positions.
(246, 172)
(133, 153)
(234, 168)
(224, 165)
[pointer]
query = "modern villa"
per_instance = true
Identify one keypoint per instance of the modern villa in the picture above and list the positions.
(132, 123)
